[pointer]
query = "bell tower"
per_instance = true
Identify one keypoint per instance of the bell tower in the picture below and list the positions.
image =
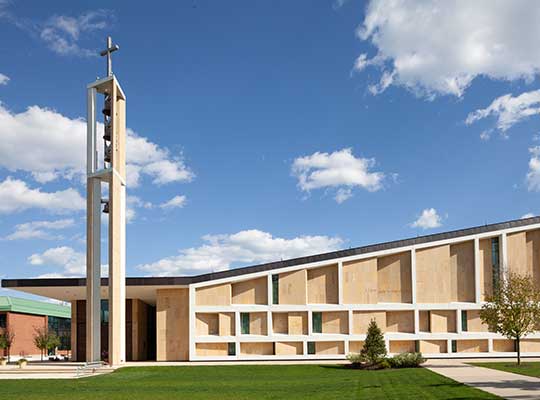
(106, 174)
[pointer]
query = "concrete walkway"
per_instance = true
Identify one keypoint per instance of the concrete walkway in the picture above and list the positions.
(500, 383)
(64, 370)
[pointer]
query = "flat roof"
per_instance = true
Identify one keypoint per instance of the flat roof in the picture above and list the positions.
(26, 306)
(186, 280)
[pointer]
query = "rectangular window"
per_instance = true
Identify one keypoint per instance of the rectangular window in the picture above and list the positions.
(104, 311)
(275, 289)
(317, 322)
(311, 347)
(62, 328)
(495, 262)
(429, 321)
(244, 321)
(231, 351)
(3, 320)
(464, 327)
(417, 346)
(454, 346)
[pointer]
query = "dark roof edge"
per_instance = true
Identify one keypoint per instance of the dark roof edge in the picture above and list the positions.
(186, 280)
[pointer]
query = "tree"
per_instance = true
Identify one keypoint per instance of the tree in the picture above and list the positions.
(374, 349)
(6, 340)
(54, 341)
(514, 308)
(45, 339)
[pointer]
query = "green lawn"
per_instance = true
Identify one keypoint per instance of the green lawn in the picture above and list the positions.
(238, 382)
(526, 368)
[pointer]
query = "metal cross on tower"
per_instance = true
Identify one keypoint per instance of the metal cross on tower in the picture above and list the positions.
(110, 49)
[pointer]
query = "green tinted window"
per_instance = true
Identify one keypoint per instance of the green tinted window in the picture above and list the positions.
(244, 321)
(464, 327)
(311, 347)
(275, 289)
(317, 322)
(495, 264)
(232, 349)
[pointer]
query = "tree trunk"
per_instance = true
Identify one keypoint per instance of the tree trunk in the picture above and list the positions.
(518, 351)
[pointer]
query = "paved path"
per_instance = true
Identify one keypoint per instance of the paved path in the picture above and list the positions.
(500, 383)
(48, 371)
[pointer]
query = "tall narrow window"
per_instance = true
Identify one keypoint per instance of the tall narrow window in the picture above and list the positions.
(3, 320)
(275, 289)
(464, 327)
(104, 311)
(311, 347)
(454, 346)
(317, 322)
(231, 349)
(495, 262)
(244, 322)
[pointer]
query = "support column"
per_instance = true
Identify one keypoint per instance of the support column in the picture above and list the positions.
(416, 311)
(503, 256)
(117, 271)
(73, 356)
(340, 282)
(477, 288)
(93, 270)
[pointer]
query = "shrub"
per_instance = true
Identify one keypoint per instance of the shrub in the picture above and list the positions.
(355, 359)
(406, 360)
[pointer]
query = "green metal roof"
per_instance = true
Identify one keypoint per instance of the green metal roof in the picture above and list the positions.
(26, 306)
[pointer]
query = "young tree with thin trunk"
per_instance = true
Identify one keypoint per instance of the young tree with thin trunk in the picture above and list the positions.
(514, 308)
(6, 341)
(41, 339)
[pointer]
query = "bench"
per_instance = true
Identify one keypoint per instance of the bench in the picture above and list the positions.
(90, 367)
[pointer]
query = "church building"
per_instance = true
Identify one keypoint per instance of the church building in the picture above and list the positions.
(425, 293)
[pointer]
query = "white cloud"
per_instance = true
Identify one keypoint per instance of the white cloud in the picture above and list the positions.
(338, 4)
(340, 169)
(15, 195)
(62, 33)
(439, 47)
(509, 110)
(175, 202)
(4, 79)
(58, 146)
(40, 229)
(533, 176)
(71, 262)
(343, 194)
(132, 203)
(485, 135)
(528, 215)
(428, 219)
(220, 252)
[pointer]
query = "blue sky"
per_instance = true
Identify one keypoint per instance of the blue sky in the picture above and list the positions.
(264, 130)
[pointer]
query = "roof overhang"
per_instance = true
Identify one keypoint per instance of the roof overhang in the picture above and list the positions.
(70, 289)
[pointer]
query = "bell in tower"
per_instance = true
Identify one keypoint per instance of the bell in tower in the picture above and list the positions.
(105, 203)
(107, 106)
(107, 131)
(107, 157)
